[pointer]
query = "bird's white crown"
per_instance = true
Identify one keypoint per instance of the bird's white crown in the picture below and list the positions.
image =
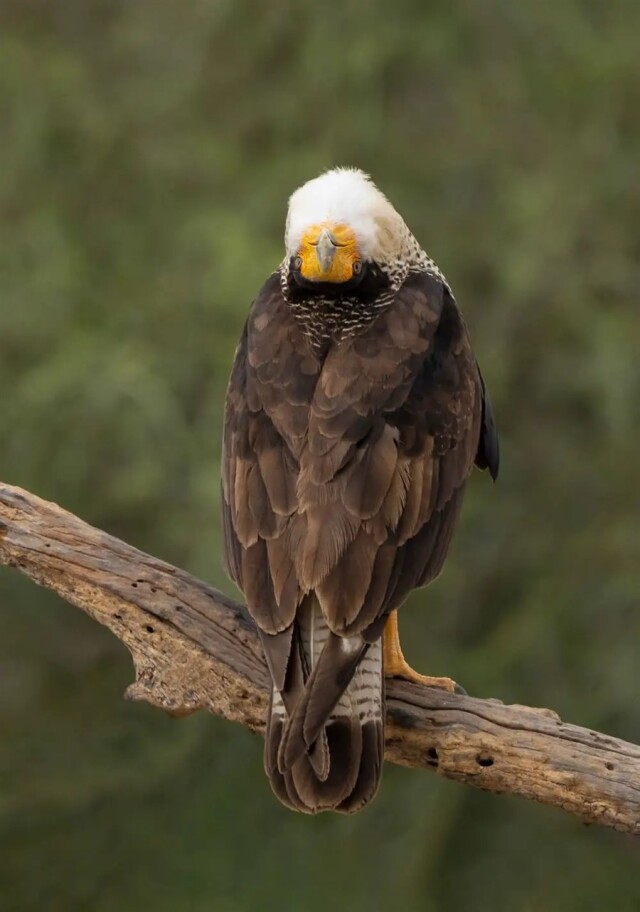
(345, 196)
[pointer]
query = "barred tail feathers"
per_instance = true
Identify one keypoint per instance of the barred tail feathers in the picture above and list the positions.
(326, 752)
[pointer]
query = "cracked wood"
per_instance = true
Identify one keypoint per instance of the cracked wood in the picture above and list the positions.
(195, 648)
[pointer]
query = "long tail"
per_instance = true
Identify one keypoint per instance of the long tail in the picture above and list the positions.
(324, 746)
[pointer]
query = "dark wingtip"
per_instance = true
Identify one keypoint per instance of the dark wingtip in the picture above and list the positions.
(488, 455)
(494, 463)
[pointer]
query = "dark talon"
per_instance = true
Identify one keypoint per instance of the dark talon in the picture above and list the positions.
(459, 689)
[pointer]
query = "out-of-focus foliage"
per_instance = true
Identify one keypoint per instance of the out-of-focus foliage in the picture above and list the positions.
(148, 149)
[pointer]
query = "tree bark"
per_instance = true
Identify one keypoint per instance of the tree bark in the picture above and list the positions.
(195, 648)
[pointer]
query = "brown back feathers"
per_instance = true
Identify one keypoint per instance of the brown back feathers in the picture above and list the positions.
(344, 466)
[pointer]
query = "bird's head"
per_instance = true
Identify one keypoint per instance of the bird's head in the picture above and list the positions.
(337, 225)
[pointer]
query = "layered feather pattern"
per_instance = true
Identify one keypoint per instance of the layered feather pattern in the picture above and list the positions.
(344, 467)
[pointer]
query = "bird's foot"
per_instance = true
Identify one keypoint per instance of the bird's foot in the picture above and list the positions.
(396, 666)
(401, 669)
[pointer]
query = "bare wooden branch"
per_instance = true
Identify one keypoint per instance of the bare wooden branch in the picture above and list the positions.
(195, 648)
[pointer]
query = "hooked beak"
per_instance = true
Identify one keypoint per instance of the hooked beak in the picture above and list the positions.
(326, 249)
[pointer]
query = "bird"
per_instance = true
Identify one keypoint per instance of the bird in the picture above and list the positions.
(354, 415)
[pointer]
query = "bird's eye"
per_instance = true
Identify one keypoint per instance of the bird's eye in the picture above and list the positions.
(298, 262)
(357, 267)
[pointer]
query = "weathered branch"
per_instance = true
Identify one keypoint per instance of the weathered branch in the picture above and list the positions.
(194, 648)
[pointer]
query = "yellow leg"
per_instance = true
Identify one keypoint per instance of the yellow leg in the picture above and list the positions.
(396, 666)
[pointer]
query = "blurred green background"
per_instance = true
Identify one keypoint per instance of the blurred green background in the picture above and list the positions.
(148, 149)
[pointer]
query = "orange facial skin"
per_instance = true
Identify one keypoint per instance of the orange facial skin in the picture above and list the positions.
(328, 253)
